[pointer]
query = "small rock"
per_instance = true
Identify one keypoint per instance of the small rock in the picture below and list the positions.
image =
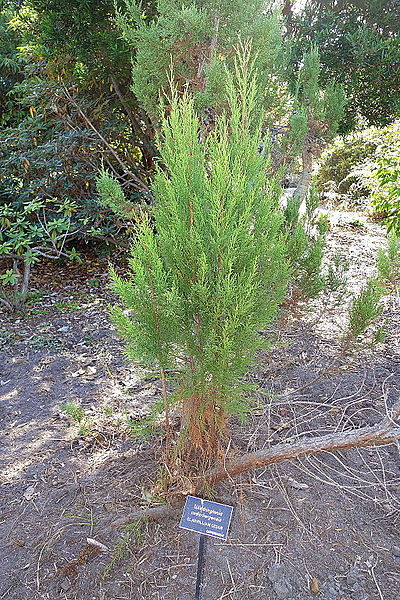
(396, 551)
(97, 544)
(314, 585)
(297, 485)
(353, 576)
(65, 585)
(280, 583)
(30, 493)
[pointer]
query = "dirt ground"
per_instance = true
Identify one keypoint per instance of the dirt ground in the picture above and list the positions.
(324, 527)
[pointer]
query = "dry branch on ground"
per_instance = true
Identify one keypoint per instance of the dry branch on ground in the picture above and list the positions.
(387, 431)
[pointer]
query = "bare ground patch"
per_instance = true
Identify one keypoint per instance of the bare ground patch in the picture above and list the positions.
(324, 527)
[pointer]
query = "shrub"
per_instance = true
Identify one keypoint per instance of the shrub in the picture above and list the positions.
(306, 242)
(36, 229)
(366, 309)
(342, 165)
(388, 261)
(384, 179)
(365, 166)
(211, 273)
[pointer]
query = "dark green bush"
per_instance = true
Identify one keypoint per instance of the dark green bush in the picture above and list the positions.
(365, 167)
(343, 164)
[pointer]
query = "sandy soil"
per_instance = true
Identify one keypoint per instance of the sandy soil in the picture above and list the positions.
(323, 527)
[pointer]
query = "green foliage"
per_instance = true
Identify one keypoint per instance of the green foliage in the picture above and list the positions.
(388, 261)
(306, 260)
(384, 180)
(344, 162)
(336, 276)
(315, 119)
(364, 166)
(305, 251)
(110, 193)
(24, 233)
(366, 309)
(359, 46)
(74, 411)
(211, 273)
(197, 40)
(323, 107)
(35, 230)
(11, 65)
(78, 414)
(65, 111)
(306, 243)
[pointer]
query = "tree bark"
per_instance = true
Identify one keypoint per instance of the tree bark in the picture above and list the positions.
(305, 178)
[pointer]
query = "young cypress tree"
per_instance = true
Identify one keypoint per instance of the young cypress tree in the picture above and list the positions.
(209, 272)
(317, 115)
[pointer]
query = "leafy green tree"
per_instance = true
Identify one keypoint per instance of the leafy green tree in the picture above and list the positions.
(210, 272)
(80, 40)
(80, 59)
(58, 128)
(359, 46)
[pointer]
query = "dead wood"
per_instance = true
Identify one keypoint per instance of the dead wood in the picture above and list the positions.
(385, 432)
(155, 513)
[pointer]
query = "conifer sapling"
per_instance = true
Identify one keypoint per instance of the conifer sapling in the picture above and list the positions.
(209, 272)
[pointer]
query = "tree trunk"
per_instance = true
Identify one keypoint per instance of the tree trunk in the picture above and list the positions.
(146, 142)
(203, 430)
(25, 281)
(16, 272)
(21, 285)
(305, 178)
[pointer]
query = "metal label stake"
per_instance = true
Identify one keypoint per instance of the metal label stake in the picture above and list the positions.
(201, 555)
(208, 519)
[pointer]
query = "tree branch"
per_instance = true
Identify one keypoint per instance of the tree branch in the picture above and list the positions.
(139, 183)
(145, 142)
(385, 432)
(358, 438)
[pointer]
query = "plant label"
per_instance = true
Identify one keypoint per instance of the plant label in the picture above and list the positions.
(206, 517)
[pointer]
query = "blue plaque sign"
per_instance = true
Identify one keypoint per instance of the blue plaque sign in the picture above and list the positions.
(206, 517)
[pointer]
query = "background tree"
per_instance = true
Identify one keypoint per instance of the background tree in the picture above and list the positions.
(316, 117)
(80, 41)
(195, 41)
(359, 46)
